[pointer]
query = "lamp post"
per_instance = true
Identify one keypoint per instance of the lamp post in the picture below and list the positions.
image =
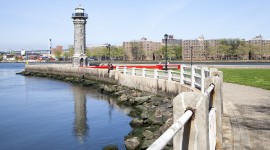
(166, 56)
(191, 55)
(109, 48)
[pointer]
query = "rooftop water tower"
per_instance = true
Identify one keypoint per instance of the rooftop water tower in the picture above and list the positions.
(79, 20)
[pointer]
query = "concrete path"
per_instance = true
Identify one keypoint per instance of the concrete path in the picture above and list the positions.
(246, 120)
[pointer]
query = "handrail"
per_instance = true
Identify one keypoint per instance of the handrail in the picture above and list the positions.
(209, 90)
(162, 141)
(193, 76)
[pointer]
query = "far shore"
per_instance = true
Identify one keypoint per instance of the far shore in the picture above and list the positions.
(151, 61)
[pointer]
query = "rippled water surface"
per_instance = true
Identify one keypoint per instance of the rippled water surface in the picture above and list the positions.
(40, 113)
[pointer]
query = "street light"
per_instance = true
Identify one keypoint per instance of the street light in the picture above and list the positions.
(109, 48)
(191, 55)
(166, 56)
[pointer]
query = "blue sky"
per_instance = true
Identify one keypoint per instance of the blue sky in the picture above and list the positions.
(29, 24)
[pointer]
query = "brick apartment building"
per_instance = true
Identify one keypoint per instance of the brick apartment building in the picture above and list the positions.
(261, 47)
(201, 49)
(141, 49)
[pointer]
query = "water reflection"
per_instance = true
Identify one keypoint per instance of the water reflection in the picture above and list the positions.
(80, 124)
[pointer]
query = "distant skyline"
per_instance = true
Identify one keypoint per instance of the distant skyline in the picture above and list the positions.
(29, 24)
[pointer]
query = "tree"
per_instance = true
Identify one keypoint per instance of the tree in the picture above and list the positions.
(65, 55)
(224, 50)
(88, 52)
(136, 50)
(230, 46)
(140, 55)
(58, 53)
(174, 52)
(71, 51)
(242, 50)
(117, 52)
(254, 51)
(177, 51)
(99, 52)
(209, 50)
(1, 57)
(161, 52)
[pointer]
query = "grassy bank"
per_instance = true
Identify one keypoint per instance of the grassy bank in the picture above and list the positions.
(251, 77)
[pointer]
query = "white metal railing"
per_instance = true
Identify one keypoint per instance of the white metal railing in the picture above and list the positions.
(191, 75)
(164, 139)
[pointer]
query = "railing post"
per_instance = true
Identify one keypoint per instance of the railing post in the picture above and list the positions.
(220, 75)
(117, 68)
(169, 75)
(216, 102)
(202, 78)
(182, 74)
(143, 72)
(211, 70)
(155, 73)
(125, 70)
(193, 76)
(133, 71)
(194, 135)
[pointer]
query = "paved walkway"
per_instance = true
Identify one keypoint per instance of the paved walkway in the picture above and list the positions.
(246, 121)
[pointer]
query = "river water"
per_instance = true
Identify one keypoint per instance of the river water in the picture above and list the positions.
(40, 113)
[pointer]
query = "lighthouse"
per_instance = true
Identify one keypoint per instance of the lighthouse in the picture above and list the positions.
(79, 20)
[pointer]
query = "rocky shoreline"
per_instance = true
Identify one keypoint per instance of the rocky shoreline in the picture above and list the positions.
(152, 114)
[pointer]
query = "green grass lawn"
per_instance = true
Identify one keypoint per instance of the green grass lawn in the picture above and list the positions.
(251, 77)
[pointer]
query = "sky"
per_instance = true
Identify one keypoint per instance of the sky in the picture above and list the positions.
(29, 24)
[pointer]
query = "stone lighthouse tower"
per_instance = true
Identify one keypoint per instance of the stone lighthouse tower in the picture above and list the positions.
(79, 20)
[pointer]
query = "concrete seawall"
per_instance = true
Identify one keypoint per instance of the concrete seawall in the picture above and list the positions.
(156, 86)
(152, 114)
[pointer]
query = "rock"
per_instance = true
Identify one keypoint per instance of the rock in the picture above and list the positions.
(148, 134)
(148, 105)
(147, 143)
(168, 148)
(156, 103)
(122, 99)
(157, 134)
(169, 105)
(166, 125)
(21, 73)
(132, 143)
(110, 147)
(167, 115)
(136, 94)
(153, 128)
(157, 100)
(158, 112)
(146, 114)
(88, 83)
(118, 93)
(136, 122)
(27, 73)
(109, 89)
(140, 108)
(152, 120)
(156, 117)
(136, 132)
(141, 100)
(133, 113)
